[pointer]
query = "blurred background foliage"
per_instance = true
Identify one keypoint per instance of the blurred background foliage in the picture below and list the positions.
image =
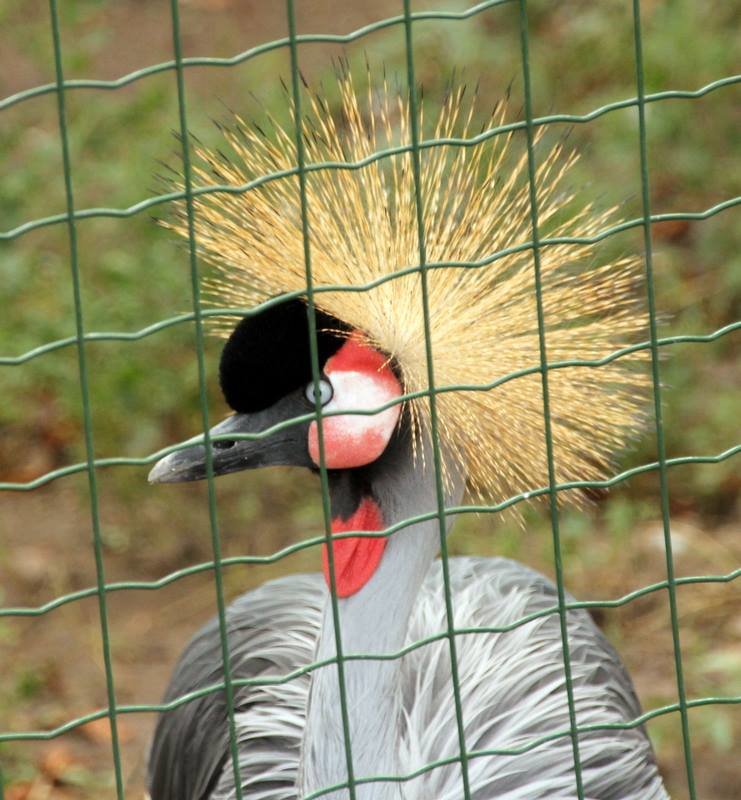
(144, 393)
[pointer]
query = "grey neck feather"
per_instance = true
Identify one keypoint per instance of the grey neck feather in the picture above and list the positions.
(374, 620)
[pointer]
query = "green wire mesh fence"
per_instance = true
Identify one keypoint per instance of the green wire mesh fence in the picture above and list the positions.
(406, 20)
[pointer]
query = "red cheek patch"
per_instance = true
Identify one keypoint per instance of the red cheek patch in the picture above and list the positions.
(345, 448)
(362, 380)
(356, 356)
(355, 558)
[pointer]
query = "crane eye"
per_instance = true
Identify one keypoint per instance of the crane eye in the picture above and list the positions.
(325, 392)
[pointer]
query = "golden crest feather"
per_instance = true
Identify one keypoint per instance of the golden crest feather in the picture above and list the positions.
(363, 227)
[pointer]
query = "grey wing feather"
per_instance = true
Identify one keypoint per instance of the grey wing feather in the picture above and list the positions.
(271, 631)
(190, 742)
(513, 691)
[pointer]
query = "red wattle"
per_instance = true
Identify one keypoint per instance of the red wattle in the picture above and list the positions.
(355, 558)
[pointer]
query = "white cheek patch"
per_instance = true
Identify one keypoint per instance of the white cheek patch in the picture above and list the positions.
(353, 440)
(358, 391)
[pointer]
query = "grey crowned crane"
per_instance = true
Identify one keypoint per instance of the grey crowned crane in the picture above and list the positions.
(371, 347)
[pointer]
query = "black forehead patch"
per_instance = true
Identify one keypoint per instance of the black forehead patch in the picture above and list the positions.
(267, 355)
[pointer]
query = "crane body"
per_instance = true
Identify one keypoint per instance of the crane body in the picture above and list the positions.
(274, 631)
(374, 436)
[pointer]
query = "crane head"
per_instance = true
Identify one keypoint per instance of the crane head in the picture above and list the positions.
(266, 378)
(472, 332)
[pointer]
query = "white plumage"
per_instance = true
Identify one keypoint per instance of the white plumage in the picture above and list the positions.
(512, 687)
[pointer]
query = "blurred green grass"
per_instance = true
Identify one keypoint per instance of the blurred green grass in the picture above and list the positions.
(145, 393)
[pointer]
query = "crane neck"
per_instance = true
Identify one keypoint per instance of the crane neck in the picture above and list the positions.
(372, 620)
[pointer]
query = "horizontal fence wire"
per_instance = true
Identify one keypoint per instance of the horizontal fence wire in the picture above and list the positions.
(82, 339)
(72, 469)
(247, 55)
(473, 754)
(143, 333)
(92, 213)
(325, 38)
(186, 572)
(449, 511)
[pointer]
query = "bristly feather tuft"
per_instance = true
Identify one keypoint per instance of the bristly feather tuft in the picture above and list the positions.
(484, 326)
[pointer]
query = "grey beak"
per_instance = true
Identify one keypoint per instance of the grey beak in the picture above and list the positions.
(179, 466)
(189, 464)
(287, 446)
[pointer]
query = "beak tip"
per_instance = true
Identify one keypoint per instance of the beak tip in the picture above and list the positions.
(161, 472)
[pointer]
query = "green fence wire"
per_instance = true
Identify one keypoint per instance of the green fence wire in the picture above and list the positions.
(658, 414)
(73, 216)
(316, 377)
(552, 496)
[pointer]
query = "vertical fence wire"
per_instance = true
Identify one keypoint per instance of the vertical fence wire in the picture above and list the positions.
(316, 376)
(203, 396)
(656, 385)
(437, 460)
(552, 494)
(85, 398)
